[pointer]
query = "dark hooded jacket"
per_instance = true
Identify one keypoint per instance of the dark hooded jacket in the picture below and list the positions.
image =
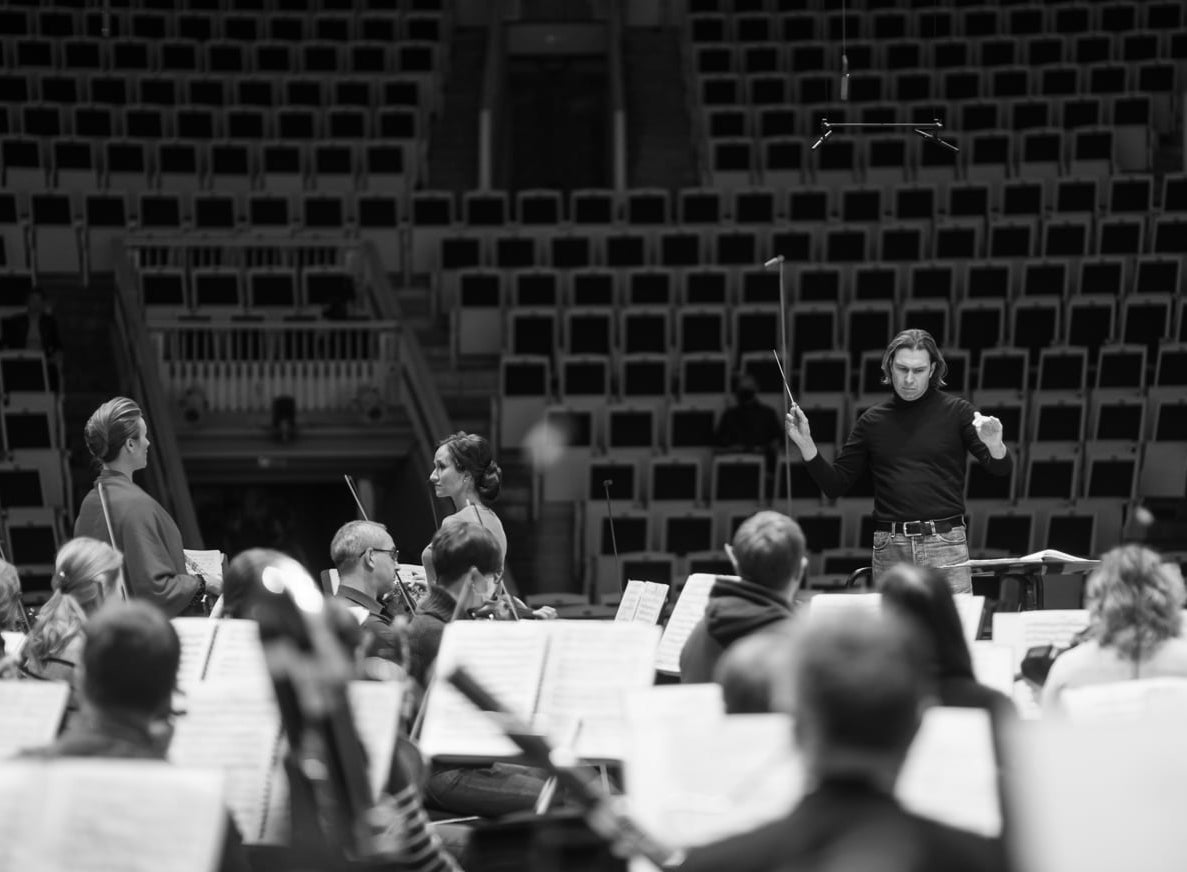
(736, 608)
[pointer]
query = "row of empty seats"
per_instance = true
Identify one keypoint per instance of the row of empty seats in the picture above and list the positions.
(920, 58)
(797, 20)
(266, 291)
(239, 24)
(142, 122)
(375, 166)
(1035, 326)
(1062, 382)
(1015, 237)
(148, 55)
(978, 198)
(1081, 282)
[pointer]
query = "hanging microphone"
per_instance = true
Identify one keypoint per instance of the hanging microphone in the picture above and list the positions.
(606, 485)
(777, 259)
(844, 78)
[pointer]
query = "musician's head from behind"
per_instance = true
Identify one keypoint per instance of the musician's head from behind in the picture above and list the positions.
(243, 584)
(1134, 601)
(117, 435)
(129, 663)
(365, 556)
(464, 551)
(769, 550)
(859, 687)
(753, 670)
(464, 468)
(86, 575)
(921, 595)
(913, 364)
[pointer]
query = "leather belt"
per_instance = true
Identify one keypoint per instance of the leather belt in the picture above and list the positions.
(920, 528)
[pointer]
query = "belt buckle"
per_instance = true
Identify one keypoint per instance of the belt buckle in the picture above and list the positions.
(921, 528)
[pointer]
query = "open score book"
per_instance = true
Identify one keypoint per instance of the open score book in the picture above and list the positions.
(564, 678)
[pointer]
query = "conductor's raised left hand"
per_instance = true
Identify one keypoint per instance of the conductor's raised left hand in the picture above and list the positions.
(989, 429)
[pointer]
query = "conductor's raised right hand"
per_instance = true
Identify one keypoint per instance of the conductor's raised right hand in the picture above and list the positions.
(796, 424)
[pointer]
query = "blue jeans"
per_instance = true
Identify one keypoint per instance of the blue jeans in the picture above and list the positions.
(939, 549)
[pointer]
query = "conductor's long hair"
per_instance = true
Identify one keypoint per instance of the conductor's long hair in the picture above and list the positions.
(85, 573)
(916, 340)
(1134, 601)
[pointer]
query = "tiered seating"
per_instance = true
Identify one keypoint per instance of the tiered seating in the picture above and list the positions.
(326, 111)
(1046, 256)
(34, 474)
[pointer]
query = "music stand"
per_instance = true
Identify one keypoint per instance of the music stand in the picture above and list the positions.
(1031, 570)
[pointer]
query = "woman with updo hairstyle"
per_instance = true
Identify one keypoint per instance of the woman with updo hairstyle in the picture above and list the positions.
(465, 472)
(1135, 604)
(154, 563)
(86, 574)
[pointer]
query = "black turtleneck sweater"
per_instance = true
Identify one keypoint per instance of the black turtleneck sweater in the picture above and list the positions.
(916, 454)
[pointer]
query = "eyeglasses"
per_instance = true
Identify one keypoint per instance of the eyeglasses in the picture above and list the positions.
(393, 553)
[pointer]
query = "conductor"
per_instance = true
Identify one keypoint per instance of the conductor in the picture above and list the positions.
(914, 445)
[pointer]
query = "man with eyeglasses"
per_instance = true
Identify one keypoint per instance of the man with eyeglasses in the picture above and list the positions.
(366, 557)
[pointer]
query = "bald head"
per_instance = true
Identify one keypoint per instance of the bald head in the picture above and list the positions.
(130, 659)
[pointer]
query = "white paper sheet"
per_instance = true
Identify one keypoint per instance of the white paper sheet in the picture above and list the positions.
(30, 714)
(686, 614)
(76, 815)
(1100, 797)
(951, 771)
(232, 728)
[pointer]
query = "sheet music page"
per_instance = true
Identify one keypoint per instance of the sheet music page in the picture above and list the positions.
(87, 815)
(507, 658)
(629, 603)
(1051, 555)
(237, 654)
(970, 608)
(13, 642)
(1127, 701)
(951, 771)
(590, 665)
(717, 776)
(831, 603)
(651, 606)
(1100, 797)
(233, 728)
(675, 702)
(196, 636)
(686, 614)
(1025, 630)
(993, 665)
(30, 713)
(375, 706)
(208, 564)
(1052, 627)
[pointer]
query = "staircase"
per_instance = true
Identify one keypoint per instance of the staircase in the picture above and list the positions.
(453, 155)
(85, 316)
(659, 134)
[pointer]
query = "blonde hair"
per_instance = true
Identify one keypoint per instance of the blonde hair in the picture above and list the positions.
(10, 598)
(1134, 601)
(110, 426)
(85, 573)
